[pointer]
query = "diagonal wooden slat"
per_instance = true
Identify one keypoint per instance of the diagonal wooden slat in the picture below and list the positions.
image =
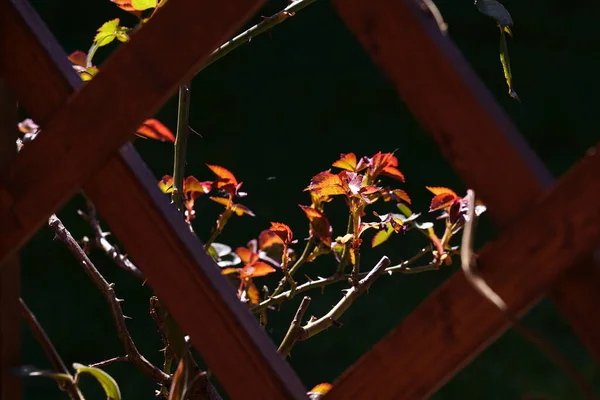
(481, 144)
(520, 265)
(187, 280)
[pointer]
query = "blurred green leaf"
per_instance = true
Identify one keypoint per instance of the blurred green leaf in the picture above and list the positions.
(33, 371)
(108, 383)
(142, 5)
(505, 60)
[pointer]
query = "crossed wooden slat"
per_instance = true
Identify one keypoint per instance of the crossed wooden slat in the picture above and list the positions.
(82, 131)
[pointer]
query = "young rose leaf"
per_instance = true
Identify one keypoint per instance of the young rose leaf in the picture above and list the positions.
(321, 388)
(247, 256)
(88, 73)
(344, 239)
(393, 172)
(347, 162)
(319, 224)
(253, 293)
(166, 184)
(240, 210)
(268, 239)
(179, 384)
(382, 235)
(142, 5)
(442, 200)
(230, 270)
(326, 184)
(106, 381)
(396, 195)
(78, 58)
(221, 200)
(223, 174)
(436, 190)
(256, 269)
(154, 129)
(192, 186)
(385, 164)
(283, 231)
(107, 32)
(124, 5)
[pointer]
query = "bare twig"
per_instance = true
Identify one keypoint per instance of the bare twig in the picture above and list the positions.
(102, 243)
(468, 264)
(292, 335)
(183, 132)
(110, 361)
(50, 350)
(114, 304)
(308, 248)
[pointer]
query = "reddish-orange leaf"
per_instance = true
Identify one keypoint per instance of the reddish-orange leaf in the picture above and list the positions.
(267, 239)
(166, 184)
(154, 129)
(440, 190)
(442, 200)
(319, 224)
(230, 270)
(283, 231)
(223, 174)
(326, 184)
(246, 255)
(400, 194)
(221, 200)
(347, 162)
(78, 58)
(240, 210)
(179, 383)
(256, 269)
(253, 293)
(393, 172)
(124, 5)
(321, 388)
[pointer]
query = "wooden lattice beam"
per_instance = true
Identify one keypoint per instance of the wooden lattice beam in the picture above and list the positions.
(183, 275)
(489, 155)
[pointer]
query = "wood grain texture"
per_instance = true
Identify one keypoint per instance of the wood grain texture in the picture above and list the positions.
(476, 137)
(10, 320)
(203, 302)
(105, 113)
(454, 321)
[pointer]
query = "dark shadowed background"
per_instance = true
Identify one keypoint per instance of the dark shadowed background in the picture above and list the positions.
(284, 107)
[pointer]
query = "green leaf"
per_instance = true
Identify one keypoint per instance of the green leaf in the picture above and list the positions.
(382, 235)
(496, 11)
(107, 32)
(142, 5)
(108, 383)
(121, 34)
(505, 60)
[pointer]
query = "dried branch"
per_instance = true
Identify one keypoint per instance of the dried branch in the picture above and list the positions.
(297, 333)
(291, 336)
(110, 361)
(114, 303)
(68, 386)
(100, 241)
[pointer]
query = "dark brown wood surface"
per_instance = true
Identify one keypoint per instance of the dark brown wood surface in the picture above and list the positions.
(10, 320)
(454, 321)
(481, 144)
(202, 301)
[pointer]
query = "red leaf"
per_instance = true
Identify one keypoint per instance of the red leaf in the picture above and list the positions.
(256, 269)
(283, 231)
(124, 5)
(246, 255)
(440, 190)
(400, 194)
(393, 172)
(78, 58)
(253, 293)
(442, 200)
(154, 129)
(326, 184)
(192, 185)
(240, 210)
(319, 224)
(347, 162)
(225, 177)
(166, 184)
(267, 239)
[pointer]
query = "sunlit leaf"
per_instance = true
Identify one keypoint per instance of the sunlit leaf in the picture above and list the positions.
(179, 384)
(404, 210)
(193, 185)
(347, 162)
(166, 184)
(230, 270)
(319, 224)
(154, 129)
(124, 5)
(142, 5)
(267, 239)
(505, 60)
(28, 126)
(321, 388)
(107, 32)
(225, 177)
(256, 269)
(283, 231)
(106, 381)
(246, 255)
(240, 210)
(382, 235)
(326, 184)
(253, 293)
(79, 58)
(344, 239)
(442, 200)
(393, 172)
(221, 200)
(440, 190)
(88, 73)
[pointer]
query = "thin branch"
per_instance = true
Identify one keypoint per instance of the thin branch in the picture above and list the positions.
(68, 386)
(109, 361)
(183, 132)
(291, 337)
(114, 304)
(308, 248)
(102, 243)
(265, 25)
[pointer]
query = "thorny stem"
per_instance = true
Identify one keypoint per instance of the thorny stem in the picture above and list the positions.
(292, 336)
(331, 318)
(114, 303)
(100, 241)
(310, 245)
(345, 252)
(110, 361)
(248, 35)
(68, 386)
(222, 221)
(183, 132)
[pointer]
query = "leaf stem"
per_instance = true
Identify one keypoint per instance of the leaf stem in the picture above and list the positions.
(183, 132)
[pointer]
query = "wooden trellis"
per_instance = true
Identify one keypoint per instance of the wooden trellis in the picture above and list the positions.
(79, 148)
